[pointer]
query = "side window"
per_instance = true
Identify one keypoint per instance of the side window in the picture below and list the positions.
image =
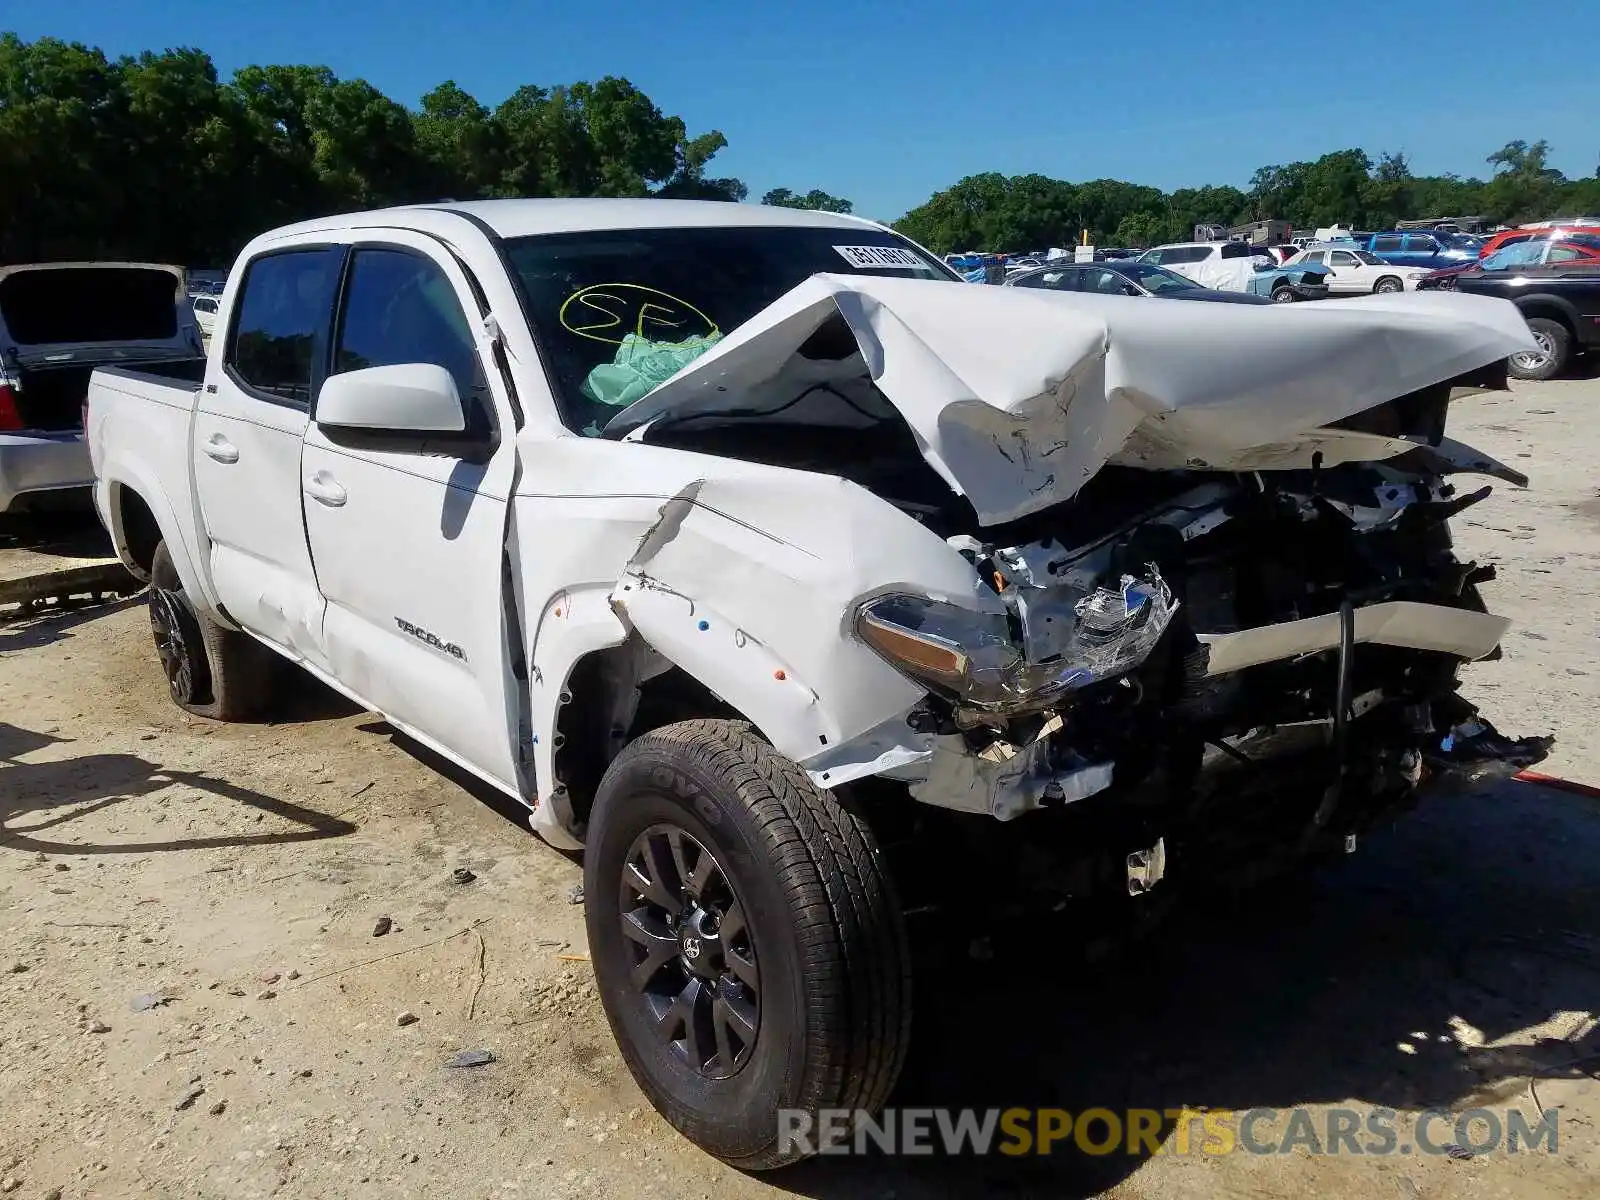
(1185, 254)
(1315, 256)
(284, 306)
(1563, 253)
(1057, 281)
(1107, 283)
(1041, 279)
(399, 307)
(1387, 245)
(1343, 258)
(1239, 250)
(1421, 244)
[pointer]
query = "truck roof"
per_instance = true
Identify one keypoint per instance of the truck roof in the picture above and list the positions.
(522, 218)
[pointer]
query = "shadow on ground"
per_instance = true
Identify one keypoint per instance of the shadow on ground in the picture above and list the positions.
(39, 797)
(1341, 987)
(48, 625)
(71, 532)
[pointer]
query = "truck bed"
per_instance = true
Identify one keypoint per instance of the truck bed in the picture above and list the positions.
(148, 408)
(51, 397)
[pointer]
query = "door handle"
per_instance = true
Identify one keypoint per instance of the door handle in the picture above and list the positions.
(220, 448)
(325, 489)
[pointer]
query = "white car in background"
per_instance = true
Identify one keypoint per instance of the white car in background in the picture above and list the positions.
(1227, 266)
(205, 313)
(1357, 272)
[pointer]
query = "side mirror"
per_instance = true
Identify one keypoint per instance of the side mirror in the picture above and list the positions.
(415, 398)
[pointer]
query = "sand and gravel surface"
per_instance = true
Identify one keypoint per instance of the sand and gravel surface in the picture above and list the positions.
(195, 999)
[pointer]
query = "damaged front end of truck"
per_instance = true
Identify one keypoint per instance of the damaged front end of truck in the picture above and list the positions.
(1209, 616)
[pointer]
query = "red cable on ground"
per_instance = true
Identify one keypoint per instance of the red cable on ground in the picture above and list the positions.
(1554, 781)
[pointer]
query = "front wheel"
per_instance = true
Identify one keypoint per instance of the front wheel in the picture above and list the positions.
(1284, 295)
(1555, 348)
(746, 941)
(1388, 285)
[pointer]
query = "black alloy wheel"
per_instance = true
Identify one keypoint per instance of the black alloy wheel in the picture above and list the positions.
(178, 646)
(694, 965)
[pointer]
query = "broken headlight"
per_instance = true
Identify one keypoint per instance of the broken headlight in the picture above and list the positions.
(974, 659)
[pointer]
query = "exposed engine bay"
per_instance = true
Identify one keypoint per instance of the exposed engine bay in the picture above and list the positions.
(1186, 632)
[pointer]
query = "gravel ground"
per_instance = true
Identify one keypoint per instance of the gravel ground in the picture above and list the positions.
(195, 999)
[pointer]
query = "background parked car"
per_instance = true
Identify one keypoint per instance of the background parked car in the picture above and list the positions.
(1357, 272)
(1422, 248)
(1543, 229)
(1558, 248)
(58, 322)
(1557, 286)
(1290, 283)
(1127, 278)
(205, 313)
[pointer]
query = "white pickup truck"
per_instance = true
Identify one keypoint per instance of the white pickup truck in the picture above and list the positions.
(738, 543)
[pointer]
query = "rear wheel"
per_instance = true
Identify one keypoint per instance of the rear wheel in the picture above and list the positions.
(1555, 348)
(745, 938)
(1388, 285)
(210, 671)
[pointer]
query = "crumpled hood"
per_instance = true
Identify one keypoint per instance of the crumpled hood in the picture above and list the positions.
(1017, 397)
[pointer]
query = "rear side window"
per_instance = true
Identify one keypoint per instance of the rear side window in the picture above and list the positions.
(285, 305)
(1185, 254)
(1045, 279)
(401, 308)
(1240, 250)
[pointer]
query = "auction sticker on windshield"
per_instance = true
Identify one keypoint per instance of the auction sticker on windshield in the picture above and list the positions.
(880, 256)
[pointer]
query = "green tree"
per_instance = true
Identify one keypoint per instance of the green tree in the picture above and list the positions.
(462, 146)
(815, 200)
(1523, 183)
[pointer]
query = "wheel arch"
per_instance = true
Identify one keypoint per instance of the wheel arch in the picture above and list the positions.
(138, 520)
(1551, 308)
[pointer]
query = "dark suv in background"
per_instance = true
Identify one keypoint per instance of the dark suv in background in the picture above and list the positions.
(1556, 284)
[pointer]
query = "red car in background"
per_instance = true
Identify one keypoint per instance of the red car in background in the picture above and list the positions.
(1507, 237)
(1545, 246)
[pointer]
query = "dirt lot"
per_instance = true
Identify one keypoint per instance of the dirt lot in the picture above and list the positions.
(236, 873)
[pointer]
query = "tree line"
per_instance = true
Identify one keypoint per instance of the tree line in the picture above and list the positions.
(996, 212)
(154, 156)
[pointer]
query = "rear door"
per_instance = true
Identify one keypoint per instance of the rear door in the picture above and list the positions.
(249, 424)
(407, 531)
(1422, 250)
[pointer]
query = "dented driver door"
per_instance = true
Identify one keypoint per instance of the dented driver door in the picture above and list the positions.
(406, 529)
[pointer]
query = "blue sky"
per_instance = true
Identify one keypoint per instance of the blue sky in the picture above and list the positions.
(885, 103)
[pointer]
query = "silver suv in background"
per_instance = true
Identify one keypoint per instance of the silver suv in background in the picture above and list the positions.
(58, 322)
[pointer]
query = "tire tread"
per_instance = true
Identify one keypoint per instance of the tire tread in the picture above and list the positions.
(848, 927)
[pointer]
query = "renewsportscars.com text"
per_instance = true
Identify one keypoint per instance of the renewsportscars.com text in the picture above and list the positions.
(1377, 1132)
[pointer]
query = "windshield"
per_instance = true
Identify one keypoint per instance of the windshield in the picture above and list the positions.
(1156, 279)
(618, 312)
(1370, 259)
(1517, 254)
